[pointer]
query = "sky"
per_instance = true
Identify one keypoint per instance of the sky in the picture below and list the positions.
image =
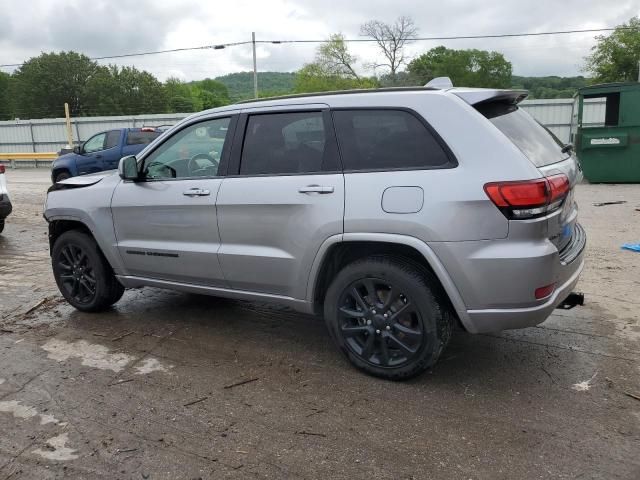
(112, 27)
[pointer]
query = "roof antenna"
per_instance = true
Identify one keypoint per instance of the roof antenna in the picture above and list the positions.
(440, 83)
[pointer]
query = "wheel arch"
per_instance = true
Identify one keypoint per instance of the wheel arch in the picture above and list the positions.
(60, 225)
(340, 250)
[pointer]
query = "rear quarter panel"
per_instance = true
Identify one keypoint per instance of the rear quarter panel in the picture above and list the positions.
(455, 206)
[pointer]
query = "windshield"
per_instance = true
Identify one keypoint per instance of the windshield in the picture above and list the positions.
(535, 141)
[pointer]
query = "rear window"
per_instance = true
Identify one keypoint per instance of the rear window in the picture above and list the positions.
(539, 145)
(141, 138)
(387, 139)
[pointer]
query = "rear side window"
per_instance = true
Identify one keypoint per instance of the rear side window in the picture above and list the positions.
(141, 138)
(387, 139)
(535, 141)
(113, 138)
(287, 143)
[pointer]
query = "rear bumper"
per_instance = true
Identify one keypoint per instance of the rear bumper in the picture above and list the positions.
(494, 320)
(5, 207)
(497, 279)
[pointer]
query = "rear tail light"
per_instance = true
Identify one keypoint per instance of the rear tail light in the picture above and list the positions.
(544, 292)
(1, 168)
(528, 198)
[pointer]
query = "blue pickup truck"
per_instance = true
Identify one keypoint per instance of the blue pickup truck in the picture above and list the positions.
(103, 151)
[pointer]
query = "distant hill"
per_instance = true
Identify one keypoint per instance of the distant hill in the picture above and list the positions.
(549, 87)
(240, 85)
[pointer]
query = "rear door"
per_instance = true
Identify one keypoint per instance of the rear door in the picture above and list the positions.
(283, 197)
(112, 149)
(166, 225)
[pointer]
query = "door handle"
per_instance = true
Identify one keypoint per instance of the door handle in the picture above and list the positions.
(322, 189)
(98, 156)
(196, 192)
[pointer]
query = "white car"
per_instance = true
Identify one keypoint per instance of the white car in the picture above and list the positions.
(5, 203)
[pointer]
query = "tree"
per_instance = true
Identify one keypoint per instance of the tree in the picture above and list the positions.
(6, 110)
(333, 68)
(210, 93)
(468, 68)
(179, 96)
(313, 78)
(334, 57)
(391, 39)
(615, 57)
(44, 83)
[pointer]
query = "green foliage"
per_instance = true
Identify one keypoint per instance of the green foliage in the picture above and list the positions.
(466, 68)
(313, 78)
(615, 57)
(549, 87)
(240, 85)
(5, 106)
(43, 84)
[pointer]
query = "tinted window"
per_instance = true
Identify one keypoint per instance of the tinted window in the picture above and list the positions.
(113, 139)
(95, 144)
(194, 151)
(386, 139)
(540, 147)
(282, 143)
(141, 138)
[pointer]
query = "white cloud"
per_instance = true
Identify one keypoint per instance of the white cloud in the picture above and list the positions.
(103, 27)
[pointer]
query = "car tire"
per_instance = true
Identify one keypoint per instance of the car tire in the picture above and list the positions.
(83, 275)
(62, 176)
(399, 325)
(1, 225)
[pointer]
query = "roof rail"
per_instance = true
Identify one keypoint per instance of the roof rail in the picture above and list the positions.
(341, 92)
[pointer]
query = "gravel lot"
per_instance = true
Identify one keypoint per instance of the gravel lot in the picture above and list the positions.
(152, 388)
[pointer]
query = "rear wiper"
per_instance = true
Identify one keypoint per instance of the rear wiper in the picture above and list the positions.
(567, 148)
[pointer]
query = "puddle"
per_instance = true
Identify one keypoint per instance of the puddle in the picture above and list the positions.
(24, 411)
(57, 449)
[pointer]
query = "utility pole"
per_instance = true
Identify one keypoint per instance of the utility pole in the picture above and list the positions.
(68, 122)
(255, 68)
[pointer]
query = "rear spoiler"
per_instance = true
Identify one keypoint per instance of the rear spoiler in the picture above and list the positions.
(475, 96)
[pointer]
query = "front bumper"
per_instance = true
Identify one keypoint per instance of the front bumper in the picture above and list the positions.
(5, 207)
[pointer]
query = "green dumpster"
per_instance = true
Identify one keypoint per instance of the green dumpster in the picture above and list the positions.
(605, 130)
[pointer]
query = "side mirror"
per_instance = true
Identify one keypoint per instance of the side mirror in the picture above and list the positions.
(77, 149)
(128, 168)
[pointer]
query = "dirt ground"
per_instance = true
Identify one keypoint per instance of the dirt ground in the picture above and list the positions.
(152, 389)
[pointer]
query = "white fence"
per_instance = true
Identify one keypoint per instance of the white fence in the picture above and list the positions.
(48, 135)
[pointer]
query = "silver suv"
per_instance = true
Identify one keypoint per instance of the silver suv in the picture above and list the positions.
(394, 213)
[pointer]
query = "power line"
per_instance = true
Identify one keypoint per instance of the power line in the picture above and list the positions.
(348, 40)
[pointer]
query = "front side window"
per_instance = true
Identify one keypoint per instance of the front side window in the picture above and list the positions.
(286, 143)
(386, 139)
(95, 143)
(194, 151)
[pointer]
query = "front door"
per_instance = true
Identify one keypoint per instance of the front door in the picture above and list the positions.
(90, 160)
(166, 224)
(283, 198)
